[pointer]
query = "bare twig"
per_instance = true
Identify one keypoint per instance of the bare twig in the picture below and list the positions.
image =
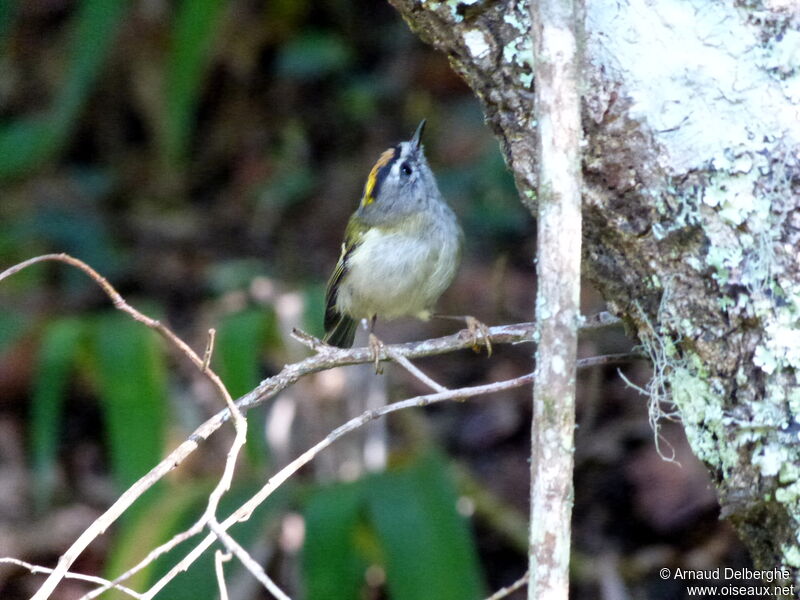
(175, 541)
(355, 423)
(36, 569)
(212, 336)
(508, 590)
(609, 359)
(328, 357)
(248, 561)
(413, 369)
(219, 558)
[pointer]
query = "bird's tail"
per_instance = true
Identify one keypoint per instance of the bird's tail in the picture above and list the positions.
(341, 333)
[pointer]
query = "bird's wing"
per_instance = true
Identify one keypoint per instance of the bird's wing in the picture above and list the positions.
(353, 238)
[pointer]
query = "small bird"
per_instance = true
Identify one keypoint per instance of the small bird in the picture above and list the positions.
(401, 250)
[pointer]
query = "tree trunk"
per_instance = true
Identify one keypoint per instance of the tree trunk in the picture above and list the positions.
(691, 207)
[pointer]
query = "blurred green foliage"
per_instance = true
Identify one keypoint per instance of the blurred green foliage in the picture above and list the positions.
(404, 520)
(27, 142)
(241, 338)
(131, 376)
(196, 24)
(183, 150)
(56, 362)
(429, 549)
(312, 55)
(332, 564)
(8, 11)
(176, 511)
(127, 365)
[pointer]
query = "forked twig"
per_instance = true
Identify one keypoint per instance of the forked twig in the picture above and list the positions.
(219, 558)
(248, 561)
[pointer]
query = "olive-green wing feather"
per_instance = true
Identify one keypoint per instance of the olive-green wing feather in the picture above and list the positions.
(340, 329)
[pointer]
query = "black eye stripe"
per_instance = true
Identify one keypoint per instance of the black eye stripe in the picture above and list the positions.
(380, 177)
(383, 171)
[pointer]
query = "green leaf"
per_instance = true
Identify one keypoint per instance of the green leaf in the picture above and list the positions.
(27, 142)
(429, 550)
(193, 36)
(96, 25)
(332, 567)
(241, 339)
(131, 375)
(53, 369)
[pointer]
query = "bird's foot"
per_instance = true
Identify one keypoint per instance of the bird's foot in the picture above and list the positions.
(479, 332)
(376, 348)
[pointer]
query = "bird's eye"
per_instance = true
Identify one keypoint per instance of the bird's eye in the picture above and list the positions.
(405, 169)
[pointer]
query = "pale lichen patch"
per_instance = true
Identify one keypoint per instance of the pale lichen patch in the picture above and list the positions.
(476, 43)
(519, 51)
(708, 94)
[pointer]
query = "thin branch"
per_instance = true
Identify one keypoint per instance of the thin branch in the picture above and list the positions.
(175, 541)
(327, 358)
(197, 527)
(219, 558)
(212, 336)
(36, 569)
(414, 370)
(508, 590)
(610, 359)
(248, 561)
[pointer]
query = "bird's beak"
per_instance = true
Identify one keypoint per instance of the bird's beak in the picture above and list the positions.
(418, 134)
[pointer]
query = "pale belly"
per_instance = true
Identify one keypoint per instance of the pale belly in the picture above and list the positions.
(395, 275)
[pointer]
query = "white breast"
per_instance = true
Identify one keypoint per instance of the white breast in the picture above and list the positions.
(393, 274)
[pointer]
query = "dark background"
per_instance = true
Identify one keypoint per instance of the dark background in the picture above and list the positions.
(205, 156)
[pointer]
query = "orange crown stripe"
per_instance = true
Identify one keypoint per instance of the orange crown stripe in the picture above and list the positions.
(372, 178)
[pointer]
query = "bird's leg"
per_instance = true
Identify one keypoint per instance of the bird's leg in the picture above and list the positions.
(375, 345)
(478, 331)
